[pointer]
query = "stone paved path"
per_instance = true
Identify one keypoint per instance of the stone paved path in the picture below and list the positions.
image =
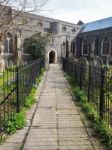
(56, 124)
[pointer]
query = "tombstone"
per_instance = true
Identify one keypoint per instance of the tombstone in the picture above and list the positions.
(74, 59)
(109, 66)
(25, 63)
(97, 62)
(11, 63)
(2, 64)
(85, 67)
(83, 60)
(109, 61)
(6, 64)
(70, 54)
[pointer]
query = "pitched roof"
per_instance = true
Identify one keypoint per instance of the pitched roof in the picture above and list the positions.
(98, 25)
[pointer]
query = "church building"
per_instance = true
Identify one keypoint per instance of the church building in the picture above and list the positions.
(95, 39)
(67, 39)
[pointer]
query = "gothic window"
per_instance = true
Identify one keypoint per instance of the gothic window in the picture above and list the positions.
(84, 48)
(8, 44)
(63, 48)
(5, 46)
(15, 44)
(105, 46)
(67, 48)
(73, 47)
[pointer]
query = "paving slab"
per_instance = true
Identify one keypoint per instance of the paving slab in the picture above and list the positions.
(56, 124)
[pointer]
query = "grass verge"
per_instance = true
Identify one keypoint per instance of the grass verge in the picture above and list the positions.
(19, 119)
(100, 127)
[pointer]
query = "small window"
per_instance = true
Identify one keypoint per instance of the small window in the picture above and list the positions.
(105, 46)
(8, 44)
(73, 47)
(63, 48)
(40, 24)
(84, 48)
(64, 29)
(73, 30)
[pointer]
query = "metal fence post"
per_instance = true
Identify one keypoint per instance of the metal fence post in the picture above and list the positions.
(102, 94)
(89, 83)
(81, 70)
(17, 90)
(75, 71)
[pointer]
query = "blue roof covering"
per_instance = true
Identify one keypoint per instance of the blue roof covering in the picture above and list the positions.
(98, 25)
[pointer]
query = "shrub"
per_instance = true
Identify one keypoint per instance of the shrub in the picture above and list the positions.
(17, 122)
(35, 45)
(30, 100)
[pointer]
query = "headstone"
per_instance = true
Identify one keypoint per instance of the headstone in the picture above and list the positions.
(85, 68)
(109, 61)
(83, 60)
(11, 63)
(2, 64)
(97, 61)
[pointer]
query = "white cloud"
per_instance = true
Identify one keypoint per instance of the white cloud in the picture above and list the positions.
(85, 10)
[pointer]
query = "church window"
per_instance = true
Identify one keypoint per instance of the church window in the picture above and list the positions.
(105, 46)
(8, 44)
(73, 47)
(84, 48)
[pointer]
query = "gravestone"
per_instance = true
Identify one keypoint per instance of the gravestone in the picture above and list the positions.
(83, 60)
(85, 66)
(11, 63)
(109, 61)
(97, 61)
(2, 64)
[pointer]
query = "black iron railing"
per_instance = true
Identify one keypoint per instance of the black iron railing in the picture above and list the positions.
(96, 82)
(15, 84)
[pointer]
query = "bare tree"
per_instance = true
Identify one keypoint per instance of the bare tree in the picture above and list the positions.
(12, 13)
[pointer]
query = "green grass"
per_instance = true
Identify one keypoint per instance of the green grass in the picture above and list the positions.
(6, 84)
(18, 120)
(100, 126)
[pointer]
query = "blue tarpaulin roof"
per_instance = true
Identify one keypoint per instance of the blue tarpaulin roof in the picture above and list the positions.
(98, 25)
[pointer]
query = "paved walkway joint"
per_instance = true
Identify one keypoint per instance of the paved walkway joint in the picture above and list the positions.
(56, 124)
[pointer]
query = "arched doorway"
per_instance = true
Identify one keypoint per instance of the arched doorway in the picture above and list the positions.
(52, 57)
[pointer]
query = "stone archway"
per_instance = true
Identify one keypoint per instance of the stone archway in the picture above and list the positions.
(52, 56)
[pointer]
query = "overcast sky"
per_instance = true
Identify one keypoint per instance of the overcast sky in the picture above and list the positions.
(75, 10)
